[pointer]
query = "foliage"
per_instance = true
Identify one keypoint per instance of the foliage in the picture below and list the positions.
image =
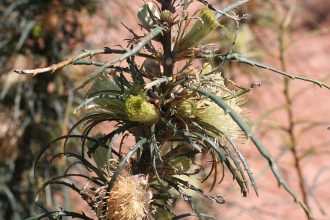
(177, 105)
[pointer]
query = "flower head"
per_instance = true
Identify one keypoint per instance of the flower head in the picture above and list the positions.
(139, 109)
(129, 198)
(187, 108)
(211, 114)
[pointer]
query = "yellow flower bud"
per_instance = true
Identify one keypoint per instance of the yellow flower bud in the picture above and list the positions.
(140, 110)
(187, 109)
(37, 31)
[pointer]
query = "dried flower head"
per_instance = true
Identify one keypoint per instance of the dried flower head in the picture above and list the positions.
(128, 198)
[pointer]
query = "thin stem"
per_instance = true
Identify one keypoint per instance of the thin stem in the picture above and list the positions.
(144, 163)
(76, 60)
(289, 109)
(166, 41)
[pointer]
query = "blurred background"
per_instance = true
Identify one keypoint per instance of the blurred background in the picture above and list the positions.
(291, 117)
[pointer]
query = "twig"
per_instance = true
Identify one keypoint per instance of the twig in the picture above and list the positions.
(77, 60)
(166, 41)
(145, 40)
(244, 60)
(227, 9)
(53, 68)
(289, 109)
(96, 63)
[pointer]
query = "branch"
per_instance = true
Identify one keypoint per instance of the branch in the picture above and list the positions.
(244, 60)
(145, 40)
(76, 61)
(226, 10)
(59, 215)
(53, 68)
(96, 63)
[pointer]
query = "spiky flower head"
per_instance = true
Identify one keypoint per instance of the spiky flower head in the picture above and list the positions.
(201, 28)
(129, 198)
(139, 109)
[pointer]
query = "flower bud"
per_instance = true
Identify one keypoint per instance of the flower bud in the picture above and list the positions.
(201, 28)
(166, 16)
(187, 109)
(140, 110)
(181, 164)
(37, 31)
